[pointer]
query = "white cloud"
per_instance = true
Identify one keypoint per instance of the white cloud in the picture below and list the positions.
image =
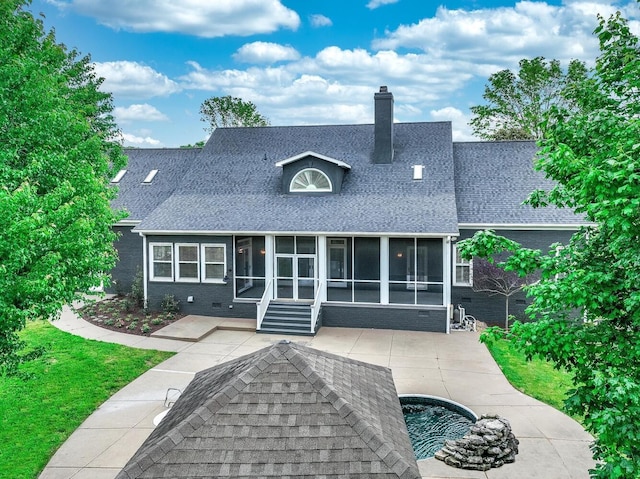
(138, 112)
(373, 4)
(318, 20)
(459, 122)
(204, 18)
(265, 52)
(146, 141)
(496, 38)
(132, 79)
(435, 68)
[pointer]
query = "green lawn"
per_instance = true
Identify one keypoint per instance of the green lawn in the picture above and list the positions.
(537, 378)
(72, 379)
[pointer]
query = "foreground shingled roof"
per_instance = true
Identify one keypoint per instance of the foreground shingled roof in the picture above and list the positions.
(285, 411)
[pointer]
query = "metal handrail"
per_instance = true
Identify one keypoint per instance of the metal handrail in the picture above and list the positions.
(315, 307)
(263, 304)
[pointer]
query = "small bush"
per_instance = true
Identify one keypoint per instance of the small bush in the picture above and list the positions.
(145, 328)
(132, 325)
(170, 304)
(128, 304)
(157, 321)
(137, 289)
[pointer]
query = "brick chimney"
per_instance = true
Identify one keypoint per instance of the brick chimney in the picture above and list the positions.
(383, 128)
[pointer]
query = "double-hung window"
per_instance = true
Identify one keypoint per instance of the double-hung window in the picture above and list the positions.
(462, 269)
(161, 264)
(187, 262)
(214, 265)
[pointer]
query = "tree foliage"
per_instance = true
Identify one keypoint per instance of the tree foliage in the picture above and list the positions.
(57, 152)
(587, 303)
(517, 102)
(225, 111)
(491, 279)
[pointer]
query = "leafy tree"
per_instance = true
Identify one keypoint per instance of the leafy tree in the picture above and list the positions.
(197, 144)
(587, 304)
(57, 153)
(493, 280)
(224, 111)
(517, 103)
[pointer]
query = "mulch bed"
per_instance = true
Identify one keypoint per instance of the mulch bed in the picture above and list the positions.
(121, 314)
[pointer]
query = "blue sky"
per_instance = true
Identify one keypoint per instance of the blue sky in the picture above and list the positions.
(306, 62)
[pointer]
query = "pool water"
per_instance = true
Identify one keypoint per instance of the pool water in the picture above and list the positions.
(431, 421)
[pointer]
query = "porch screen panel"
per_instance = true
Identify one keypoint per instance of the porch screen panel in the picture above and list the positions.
(305, 244)
(366, 258)
(339, 269)
(285, 245)
(249, 273)
(415, 271)
(366, 270)
(401, 269)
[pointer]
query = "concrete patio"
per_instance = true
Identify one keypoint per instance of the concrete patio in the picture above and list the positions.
(455, 366)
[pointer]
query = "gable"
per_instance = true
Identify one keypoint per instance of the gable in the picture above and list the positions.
(311, 173)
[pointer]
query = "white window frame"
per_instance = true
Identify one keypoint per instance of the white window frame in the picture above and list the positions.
(152, 261)
(463, 263)
(179, 261)
(119, 176)
(310, 190)
(204, 263)
(149, 178)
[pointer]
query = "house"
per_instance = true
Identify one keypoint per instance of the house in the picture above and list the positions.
(343, 225)
(284, 411)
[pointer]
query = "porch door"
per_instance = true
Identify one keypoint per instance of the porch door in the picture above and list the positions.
(295, 276)
(295, 268)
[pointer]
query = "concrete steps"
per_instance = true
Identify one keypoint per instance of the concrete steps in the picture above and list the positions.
(287, 318)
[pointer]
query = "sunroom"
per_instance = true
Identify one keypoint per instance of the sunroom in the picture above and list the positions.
(342, 269)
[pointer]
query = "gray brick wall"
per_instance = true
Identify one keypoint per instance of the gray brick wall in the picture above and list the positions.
(491, 309)
(384, 318)
(209, 299)
(129, 247)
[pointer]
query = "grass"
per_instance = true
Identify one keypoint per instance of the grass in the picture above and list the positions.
(71, 380)
(536, 378)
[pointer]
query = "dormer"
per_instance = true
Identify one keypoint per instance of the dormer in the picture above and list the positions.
(311, 173)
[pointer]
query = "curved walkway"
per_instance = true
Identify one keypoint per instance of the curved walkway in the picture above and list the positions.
(455, 366)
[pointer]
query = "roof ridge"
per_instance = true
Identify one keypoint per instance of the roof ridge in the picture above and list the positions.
(370, 435)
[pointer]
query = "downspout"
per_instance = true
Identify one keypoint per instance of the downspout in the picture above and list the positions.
(145, 268)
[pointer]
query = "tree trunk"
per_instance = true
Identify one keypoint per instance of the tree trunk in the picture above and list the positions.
(506, 312)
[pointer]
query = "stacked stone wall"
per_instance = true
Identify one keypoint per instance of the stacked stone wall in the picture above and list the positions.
(490, 443)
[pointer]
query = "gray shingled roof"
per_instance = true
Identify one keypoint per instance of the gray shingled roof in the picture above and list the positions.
(234, 185)
(492, 179)
(140, 200)
(285, 411)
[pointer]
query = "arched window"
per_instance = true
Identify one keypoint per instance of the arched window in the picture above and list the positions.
(310, 180)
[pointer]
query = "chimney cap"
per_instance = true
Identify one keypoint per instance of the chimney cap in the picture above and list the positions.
(383, 89)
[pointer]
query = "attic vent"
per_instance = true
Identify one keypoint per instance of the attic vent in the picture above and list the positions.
(118, 177)
(150, 177)
(417, 172)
